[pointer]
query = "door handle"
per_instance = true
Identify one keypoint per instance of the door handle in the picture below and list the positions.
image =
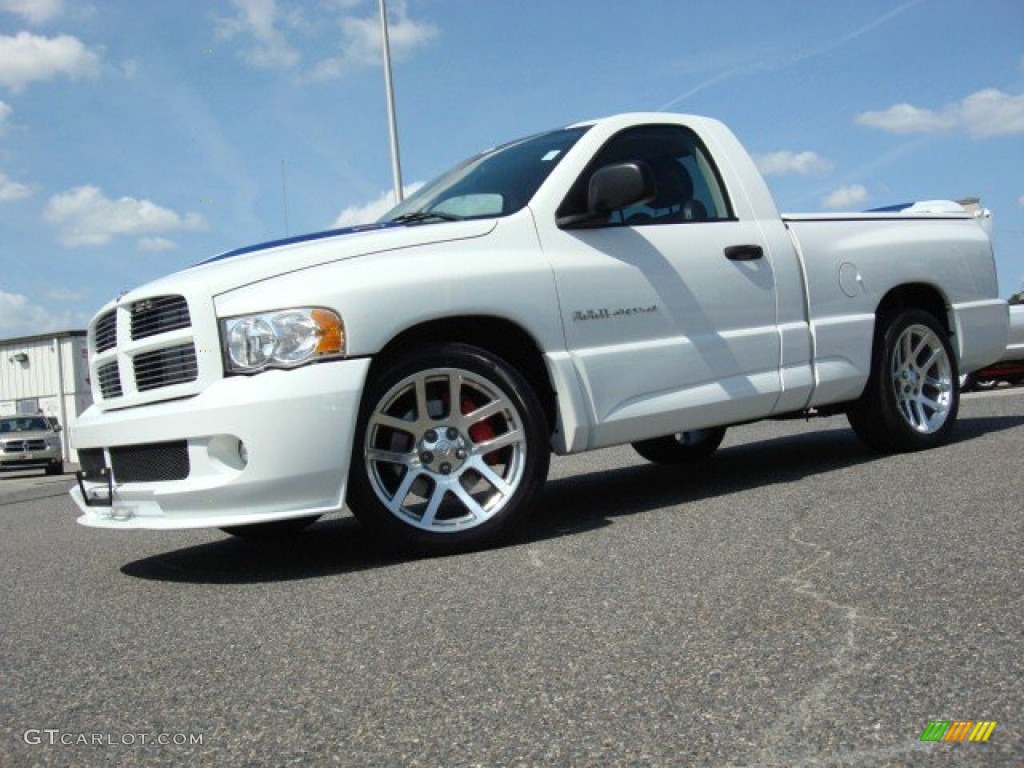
(743, 252)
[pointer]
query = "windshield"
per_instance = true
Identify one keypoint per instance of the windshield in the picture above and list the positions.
(497, 182)
(24, 424)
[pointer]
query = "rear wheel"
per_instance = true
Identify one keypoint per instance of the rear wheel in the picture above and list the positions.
(912, 395)
(682, 447)
(450, 451)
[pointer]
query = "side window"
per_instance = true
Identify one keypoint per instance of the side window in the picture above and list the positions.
(687, 184)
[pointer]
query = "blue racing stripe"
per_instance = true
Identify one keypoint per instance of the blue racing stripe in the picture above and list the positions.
(299, 239)
(890, 208)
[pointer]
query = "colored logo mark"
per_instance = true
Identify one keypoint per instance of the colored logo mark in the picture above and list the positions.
(958, 730)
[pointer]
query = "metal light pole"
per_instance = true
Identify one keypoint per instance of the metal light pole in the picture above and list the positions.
(396, 165)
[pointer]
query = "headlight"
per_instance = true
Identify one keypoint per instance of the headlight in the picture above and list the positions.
(281, 339)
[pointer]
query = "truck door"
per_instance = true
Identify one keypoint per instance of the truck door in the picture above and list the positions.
(669, 308)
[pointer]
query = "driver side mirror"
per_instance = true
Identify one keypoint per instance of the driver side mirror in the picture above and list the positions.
(612, 188)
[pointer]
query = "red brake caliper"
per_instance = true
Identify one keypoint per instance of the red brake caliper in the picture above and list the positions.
(480, 432)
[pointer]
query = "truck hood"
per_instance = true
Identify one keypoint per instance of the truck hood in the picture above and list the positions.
(252, 264)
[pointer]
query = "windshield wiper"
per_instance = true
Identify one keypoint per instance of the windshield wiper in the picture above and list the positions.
(412, 218)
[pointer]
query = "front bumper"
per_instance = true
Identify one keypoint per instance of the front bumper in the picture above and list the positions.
(296, 427)
(30, 459)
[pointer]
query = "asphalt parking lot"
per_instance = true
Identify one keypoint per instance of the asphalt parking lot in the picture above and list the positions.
(798, 601)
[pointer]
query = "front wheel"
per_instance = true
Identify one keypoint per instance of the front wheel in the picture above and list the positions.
(913, 394)
(451, 449)
(682, 447)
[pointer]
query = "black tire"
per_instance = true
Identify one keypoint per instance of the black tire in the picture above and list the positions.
(429, 478)
(55, 469)
(912, 396)
(682, 447)
(278, 529)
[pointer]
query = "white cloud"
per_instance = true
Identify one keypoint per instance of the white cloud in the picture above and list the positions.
(261, 21)
(1020, 201)
(28, 58)
(11, 190)
(992, 113)
(83, 216)
(266, 29)
(361, 42)
(33, 11)
(5, 112)
(363, 39)
(786, 162)
(59, 293)
(905, 118)
(156, 244)
(20, 317)
(845, 198)
(354, 215)
(988, 112)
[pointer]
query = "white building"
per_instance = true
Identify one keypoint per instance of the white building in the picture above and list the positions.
(46, 374)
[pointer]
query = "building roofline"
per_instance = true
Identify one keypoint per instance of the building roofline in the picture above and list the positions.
(42, 337)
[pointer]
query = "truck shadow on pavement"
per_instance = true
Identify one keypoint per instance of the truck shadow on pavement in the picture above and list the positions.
(569, 506)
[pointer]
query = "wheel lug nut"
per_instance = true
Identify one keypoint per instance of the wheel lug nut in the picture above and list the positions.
(460, 454)
(452, 433)
(426, 457)
(446, 469)
(430, 436)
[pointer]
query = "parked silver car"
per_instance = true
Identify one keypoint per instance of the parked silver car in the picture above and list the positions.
(30, 442)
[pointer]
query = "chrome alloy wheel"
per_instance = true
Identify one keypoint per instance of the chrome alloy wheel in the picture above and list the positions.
(922, 378)
(445, 450)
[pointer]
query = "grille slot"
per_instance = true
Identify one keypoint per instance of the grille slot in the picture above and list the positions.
(18, 446)
(164, 367)
(91, 460)
(105, 331)
(159, 314)
(152, 463)
(110, 380)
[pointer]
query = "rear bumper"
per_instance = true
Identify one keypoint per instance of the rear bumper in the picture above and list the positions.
(296, 428)
(981, 330)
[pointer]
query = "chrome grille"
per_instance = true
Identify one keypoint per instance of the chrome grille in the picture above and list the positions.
(158, 315)
(18, 446)
(142, 346)
(106, 331)
(164, 367)
(110, 380)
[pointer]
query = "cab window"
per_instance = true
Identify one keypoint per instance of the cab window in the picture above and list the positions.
(688, 187)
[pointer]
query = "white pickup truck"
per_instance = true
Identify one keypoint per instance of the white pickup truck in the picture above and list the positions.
(625, 280)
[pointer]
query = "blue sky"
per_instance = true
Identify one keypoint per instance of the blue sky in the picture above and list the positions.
(139, 137)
